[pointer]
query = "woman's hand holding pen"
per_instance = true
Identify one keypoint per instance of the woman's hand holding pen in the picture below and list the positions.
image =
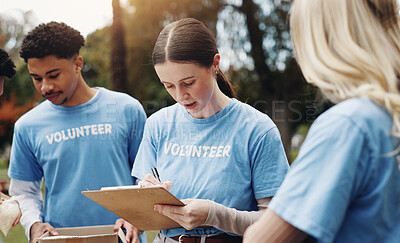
(132, 233)
(192, 215)
(150, 180)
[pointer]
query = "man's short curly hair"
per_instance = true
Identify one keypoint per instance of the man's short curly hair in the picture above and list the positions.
(52, 38)
(6, 65)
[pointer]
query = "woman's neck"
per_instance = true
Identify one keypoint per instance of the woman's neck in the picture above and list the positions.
(216, 104)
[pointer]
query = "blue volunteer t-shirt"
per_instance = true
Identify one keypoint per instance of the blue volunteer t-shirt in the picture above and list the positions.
(345, 184)
(75, 149)
(233, 157)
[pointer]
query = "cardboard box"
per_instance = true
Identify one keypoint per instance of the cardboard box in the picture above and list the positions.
(89, 234)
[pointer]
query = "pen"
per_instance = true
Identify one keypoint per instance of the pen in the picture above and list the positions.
(155, 173)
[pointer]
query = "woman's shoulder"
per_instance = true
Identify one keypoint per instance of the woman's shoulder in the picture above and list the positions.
(248, 114)
(361, 116)
(361, 111)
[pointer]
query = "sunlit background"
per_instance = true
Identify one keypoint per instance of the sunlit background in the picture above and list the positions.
(253, 39)
(83, 15)
(89, 15)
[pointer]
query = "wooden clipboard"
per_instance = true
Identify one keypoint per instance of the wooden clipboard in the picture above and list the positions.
(136, 205)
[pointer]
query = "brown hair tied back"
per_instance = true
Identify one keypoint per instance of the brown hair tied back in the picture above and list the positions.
(190, 41)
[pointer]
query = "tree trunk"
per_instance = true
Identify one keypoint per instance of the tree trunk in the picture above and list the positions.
(118, 51)
(276, 94)
(280, 115)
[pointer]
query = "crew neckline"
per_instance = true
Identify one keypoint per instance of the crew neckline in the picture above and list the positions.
(212, 118)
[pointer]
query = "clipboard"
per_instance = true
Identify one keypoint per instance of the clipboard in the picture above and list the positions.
(136, 205)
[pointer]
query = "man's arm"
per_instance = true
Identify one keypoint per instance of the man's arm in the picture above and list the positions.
(31, 205)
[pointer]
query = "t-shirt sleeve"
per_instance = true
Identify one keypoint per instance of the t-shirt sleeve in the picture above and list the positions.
(269, 164)
(318, 188)
(146, 157)
(138, 120)
(23, 163)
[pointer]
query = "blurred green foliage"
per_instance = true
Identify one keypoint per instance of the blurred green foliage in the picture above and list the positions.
(280, 85)
(142, 21)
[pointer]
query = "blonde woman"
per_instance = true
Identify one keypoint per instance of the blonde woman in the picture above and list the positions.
(345, 184)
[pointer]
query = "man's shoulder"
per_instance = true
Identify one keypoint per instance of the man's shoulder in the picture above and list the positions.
(111, 94)
(39, 112)
(119, 97)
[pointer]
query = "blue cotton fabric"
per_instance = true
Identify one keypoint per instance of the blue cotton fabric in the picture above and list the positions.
(345, 183)
(233, 157)
(75, 149)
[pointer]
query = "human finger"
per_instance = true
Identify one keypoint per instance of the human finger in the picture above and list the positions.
(169, 210)
(136, 234)
(51, 229)
(17, 219)
(187, 201)
(118, 224)
(167, 185)
(39, 228)
(149, 180)
(129, 235)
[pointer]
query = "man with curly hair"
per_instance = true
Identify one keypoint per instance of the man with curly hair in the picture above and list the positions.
(79, 138)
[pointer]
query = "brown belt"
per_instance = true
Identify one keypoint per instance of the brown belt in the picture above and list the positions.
(222, 238)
